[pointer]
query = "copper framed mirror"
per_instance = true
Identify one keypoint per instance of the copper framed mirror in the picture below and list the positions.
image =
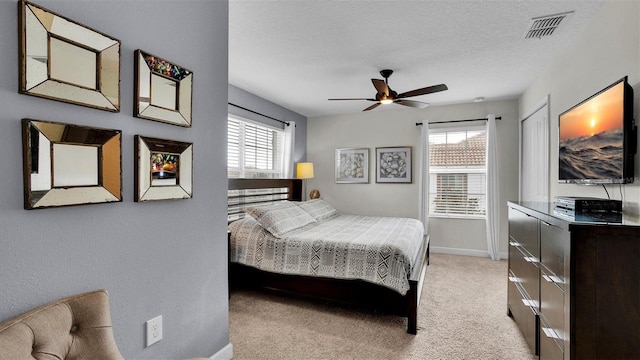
(163, 90)
(63, 60)
(163, 169)
(67, 164)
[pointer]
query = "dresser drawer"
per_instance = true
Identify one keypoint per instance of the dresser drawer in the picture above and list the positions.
(550, 345)
(525, 316)
(551, 303)
(525, 268)
(553, 241)
(523, 229)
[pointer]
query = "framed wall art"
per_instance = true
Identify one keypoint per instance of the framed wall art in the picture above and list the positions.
(163, 90)
(352, 166)
(66, 61)
(393, 164)
(68, 164)
(163, 169)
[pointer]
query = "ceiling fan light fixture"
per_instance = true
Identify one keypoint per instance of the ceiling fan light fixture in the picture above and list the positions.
(385, 96)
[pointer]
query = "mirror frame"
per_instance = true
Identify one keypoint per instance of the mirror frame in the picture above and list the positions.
(109, 164)
(147, 65)
(33, 20)
(144, 190)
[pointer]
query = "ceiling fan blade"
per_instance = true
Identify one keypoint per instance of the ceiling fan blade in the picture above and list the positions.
(356, 99)
(423, 91)
(412, 103)
(372, 107)
(381, 86)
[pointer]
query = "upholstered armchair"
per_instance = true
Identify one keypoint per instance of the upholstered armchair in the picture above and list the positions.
(74, 328)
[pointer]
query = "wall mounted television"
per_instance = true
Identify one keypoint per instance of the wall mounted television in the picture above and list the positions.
(597, 138)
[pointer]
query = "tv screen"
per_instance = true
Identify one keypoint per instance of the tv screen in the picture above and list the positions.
(597, 138)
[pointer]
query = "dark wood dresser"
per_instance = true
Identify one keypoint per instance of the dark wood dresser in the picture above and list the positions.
(574, 287)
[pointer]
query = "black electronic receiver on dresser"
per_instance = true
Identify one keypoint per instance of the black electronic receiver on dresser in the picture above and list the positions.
(574, 286)
(588, 208)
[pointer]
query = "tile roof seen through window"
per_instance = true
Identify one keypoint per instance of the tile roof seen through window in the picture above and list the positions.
(469, 152)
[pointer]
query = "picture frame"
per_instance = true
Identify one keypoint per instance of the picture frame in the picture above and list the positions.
(63, 60)
(352, 166)
(393, 164)
(66, 164)
(163, 90)
(163, 169)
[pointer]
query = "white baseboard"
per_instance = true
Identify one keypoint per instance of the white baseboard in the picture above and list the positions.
(466, 252)
(226, 353)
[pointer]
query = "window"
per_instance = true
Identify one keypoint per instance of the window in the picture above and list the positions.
(457, 172)
(254, 151)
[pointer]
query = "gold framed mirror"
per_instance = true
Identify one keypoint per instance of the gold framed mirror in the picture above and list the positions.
(163, 90)
(67, 164)
(66, 61)
(163, 169)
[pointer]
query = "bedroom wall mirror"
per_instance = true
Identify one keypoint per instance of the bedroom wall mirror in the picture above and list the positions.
(163, 90)
(163, 169)
(67, 164)
(66, 61)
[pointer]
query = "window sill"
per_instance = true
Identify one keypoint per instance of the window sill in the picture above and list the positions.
(459, 217)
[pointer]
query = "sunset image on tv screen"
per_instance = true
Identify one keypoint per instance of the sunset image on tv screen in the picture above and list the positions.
(592, 137)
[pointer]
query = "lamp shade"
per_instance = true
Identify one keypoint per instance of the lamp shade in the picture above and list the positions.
(304, 170)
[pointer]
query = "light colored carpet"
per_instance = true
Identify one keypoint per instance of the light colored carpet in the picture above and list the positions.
(462, 315)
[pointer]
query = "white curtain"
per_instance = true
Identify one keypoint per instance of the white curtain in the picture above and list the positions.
(289, 147)
(423, 192)
(493, 195)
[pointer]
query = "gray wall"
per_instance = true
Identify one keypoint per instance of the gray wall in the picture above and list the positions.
(160, 258)
(255, 103)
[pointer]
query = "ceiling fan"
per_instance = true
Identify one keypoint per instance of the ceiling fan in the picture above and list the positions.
(387, 96)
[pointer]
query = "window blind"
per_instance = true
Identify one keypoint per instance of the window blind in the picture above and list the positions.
(457, 172)
(254, 151)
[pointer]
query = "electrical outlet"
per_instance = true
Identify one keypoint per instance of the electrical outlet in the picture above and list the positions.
(154, 330)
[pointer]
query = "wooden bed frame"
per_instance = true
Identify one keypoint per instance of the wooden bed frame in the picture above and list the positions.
(357, 292)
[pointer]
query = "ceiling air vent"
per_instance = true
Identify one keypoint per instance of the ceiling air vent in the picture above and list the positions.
(544, 26)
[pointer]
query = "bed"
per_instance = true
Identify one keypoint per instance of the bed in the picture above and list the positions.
(313, 251)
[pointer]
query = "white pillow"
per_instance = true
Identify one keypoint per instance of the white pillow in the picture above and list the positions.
(280, 218)
(319, 209)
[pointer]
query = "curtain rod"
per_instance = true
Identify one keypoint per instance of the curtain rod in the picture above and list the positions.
(456, 121)
(257, 113)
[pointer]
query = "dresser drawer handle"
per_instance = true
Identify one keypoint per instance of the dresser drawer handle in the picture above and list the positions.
(550, 333)
(552, 279)
(545, 223)
(530, 259)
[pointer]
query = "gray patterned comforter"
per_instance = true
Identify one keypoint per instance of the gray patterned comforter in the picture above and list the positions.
(380, 250)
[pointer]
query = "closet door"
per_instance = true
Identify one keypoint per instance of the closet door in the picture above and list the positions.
(534, 155)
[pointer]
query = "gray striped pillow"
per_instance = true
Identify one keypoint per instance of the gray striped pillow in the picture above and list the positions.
(319, 209)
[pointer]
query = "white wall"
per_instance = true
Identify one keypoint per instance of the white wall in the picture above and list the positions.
(607, 50)
(397, 127)
(159, 258)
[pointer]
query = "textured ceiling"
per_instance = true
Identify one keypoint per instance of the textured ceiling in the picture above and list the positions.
(298, 54)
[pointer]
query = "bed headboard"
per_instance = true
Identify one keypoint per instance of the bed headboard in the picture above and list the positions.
(242, 193)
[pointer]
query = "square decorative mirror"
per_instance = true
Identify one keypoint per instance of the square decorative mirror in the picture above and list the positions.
(164, 169)
(68, 164)
(163, 90)
(63, 60)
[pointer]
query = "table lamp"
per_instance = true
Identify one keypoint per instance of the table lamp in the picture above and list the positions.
(304, 171)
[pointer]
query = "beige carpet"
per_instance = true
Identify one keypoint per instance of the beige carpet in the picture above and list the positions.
(462, 316)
